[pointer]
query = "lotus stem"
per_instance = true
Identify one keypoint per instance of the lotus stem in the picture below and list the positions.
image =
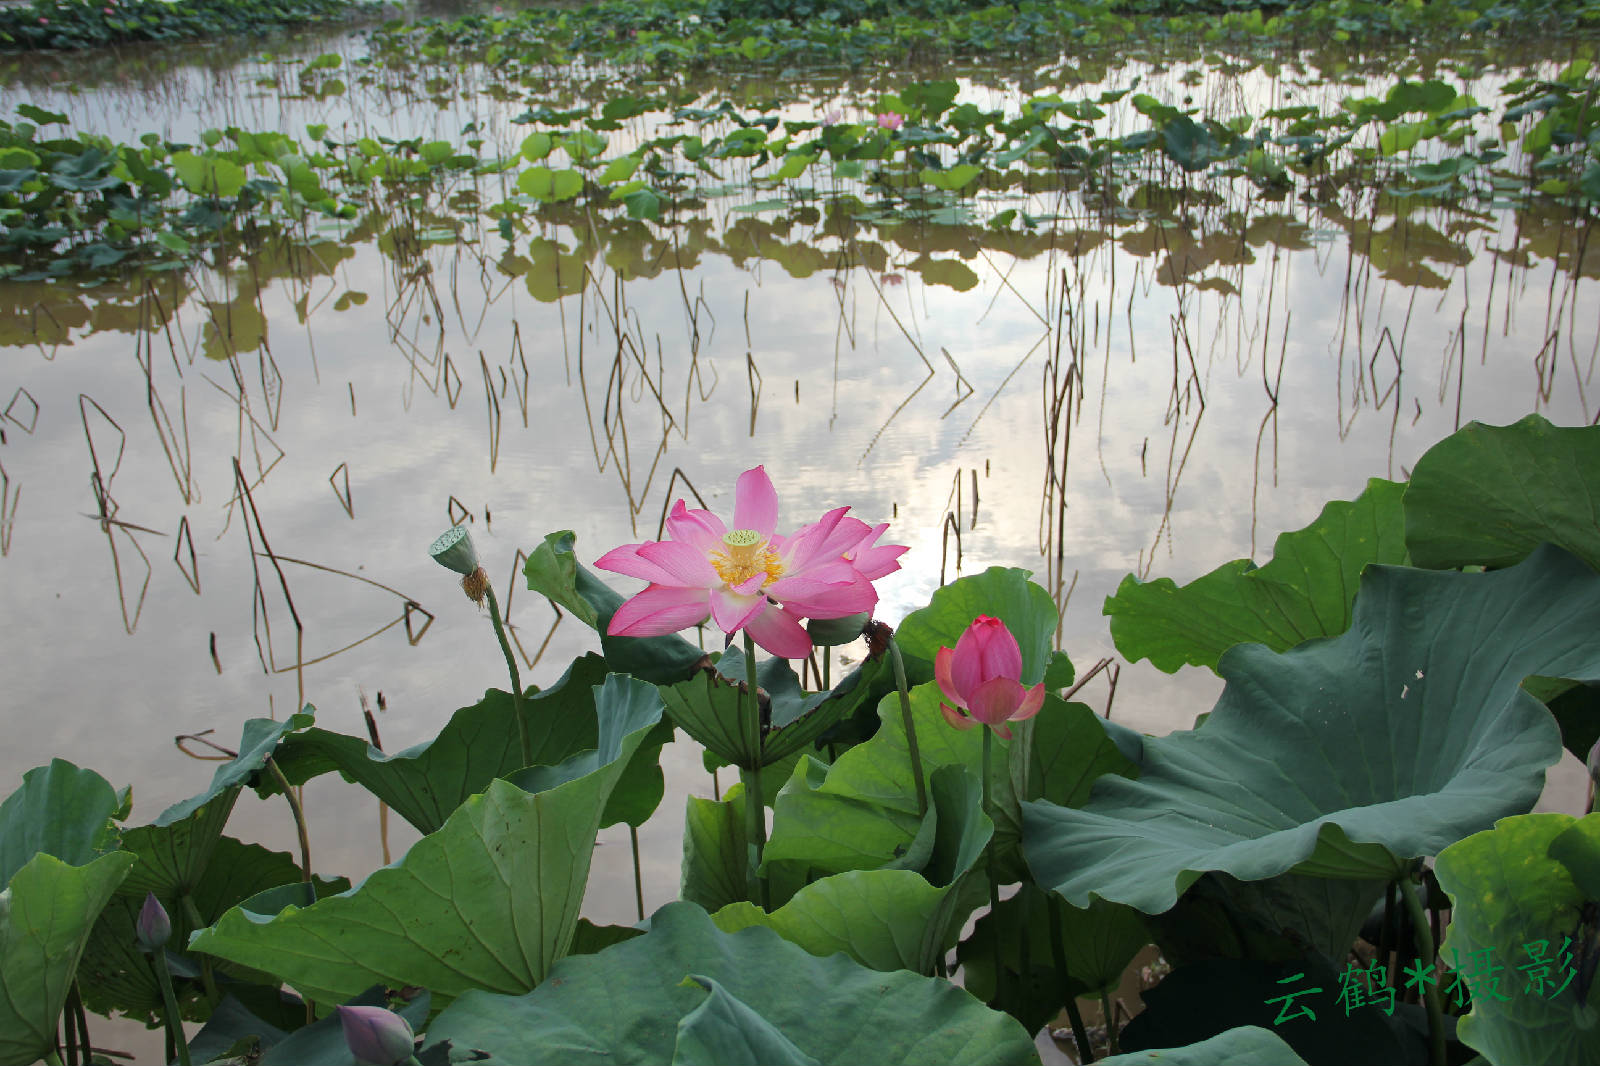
(207, 976)
(52, 1058)
(911, 731)
(755, 815)
(1058, 957)
(1426, 956)
(1111, 1022)
(170, 1015)
(516, 678)
(300, 826)
(75, 1004)
(638, 879)
(994, 875)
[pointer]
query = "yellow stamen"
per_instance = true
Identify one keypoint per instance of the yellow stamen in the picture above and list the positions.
(747, 556)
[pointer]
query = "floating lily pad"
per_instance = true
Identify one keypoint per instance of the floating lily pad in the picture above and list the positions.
(1344, 757)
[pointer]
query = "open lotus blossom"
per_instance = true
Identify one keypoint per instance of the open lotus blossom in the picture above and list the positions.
(891, 120)
(751, 577)
(981, 676)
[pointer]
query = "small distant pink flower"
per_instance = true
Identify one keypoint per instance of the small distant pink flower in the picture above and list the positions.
(832, 117)
(751, 577)
(891, 120)
(894, 279)
(981, 676)
(43, 21)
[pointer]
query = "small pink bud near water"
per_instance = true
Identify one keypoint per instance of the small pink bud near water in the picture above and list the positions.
(376, 1035)
(153, 927)
(982, 675)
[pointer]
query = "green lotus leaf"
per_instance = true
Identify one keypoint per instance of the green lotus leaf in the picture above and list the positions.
(1006, 594)
(1488, 495)
(1305, 590)
(710, 707)
(1244, 1045)
(861, 813)
(889, 918)
(1513, 908)
(61, 810)
(424, 783)
(116, 974)
(624, 1004)
(553, 570)
(46, 912)
(257, 743)
(490, 900)
(1096, 944)
(722, 1031)
(714, 851)
(1343, 757)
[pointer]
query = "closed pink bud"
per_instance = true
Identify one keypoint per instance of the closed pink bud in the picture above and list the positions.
(377, 1035)
(982, 675)
(153, 928)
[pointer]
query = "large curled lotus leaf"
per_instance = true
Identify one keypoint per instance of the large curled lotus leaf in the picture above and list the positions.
(1343, 757)
(61, 810)
(862, 812)
(624, 1005)
(424, 783)
(258, 742)
(46, 912)
(1488, 495)
(723, 1031)
(553, 571)
(1000, 592)
(715, 859)
(1243, 1045)
(488, 901)
(1511, 900)
(1304, 591)
(888, 918)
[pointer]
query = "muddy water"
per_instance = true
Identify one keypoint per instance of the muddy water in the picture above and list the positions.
(1155, 390)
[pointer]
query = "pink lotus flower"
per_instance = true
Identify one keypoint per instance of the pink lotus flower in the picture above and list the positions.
(751, 577)
(832, 117)
(891, 120)
(981, 676)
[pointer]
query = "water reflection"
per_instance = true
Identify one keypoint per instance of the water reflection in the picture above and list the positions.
(1160, 376)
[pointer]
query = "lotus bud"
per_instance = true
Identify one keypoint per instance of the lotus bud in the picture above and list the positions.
(831, 632)
(153, 927)
(376, 1035)
(454, 551)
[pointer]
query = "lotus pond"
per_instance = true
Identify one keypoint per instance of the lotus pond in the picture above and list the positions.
(1222, 373)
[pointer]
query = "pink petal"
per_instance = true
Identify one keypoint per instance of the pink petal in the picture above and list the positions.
(627, 560)
(996, 700)
(1001, 731)
(828, 601)
(941, 674)
(659, 610)
(1030, 703)
(701, 530)
(751, 585)
(955, 717)
(986, 650)
(684, 564)
(731, 611)
(820, 540)
(876, 560)
(755, 502)
(780, 633)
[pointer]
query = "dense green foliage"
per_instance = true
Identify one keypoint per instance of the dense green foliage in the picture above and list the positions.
(89, 23)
